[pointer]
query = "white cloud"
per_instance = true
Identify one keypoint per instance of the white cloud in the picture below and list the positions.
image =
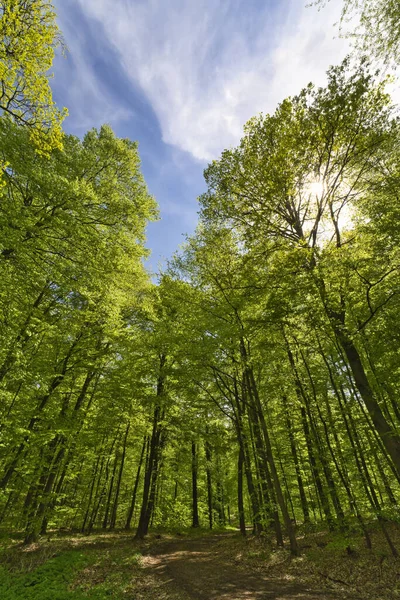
(90, 104)
(207, 66)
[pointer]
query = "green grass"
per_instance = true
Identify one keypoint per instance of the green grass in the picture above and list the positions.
(49, 581)
(96, 569)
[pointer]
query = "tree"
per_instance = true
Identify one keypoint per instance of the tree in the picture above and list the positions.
(257, 382)
(378, 32)
(292, 179)
(28, 38)
(72, 241)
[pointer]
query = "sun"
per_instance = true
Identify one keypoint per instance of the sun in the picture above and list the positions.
(316, 188)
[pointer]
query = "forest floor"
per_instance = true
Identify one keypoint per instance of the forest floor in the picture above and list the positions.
(195, 566)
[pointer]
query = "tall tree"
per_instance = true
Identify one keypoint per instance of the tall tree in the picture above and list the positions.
(28, 38)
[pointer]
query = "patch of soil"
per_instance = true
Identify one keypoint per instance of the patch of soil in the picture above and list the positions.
(204, 570)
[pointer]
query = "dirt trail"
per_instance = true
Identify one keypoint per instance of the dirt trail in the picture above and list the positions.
(203, 570)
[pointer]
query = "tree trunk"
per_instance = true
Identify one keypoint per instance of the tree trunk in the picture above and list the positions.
(242, 521)
(195, 508)
(293, 449)
(113, 518)
(151, 473)
(135, 487)
(281, 501)
(389, 436)
(208, 451)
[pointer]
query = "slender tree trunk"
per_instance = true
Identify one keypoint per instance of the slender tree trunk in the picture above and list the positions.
(220, 494)
(293, 449)
(136, 485)
(244, 448)
(388, 435)
(151, 473)
(154, 487)
(309, 439)
(282, 505)
(242, 520)
(94, 478)
(110, 491)
(41, 404)
(113, 518)
(271, 513)
(195, 508)
(208, 451)
(103, 486)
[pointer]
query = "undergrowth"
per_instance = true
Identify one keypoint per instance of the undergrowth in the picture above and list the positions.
(110, 565)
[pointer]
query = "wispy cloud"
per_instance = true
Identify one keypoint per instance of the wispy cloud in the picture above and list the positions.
(207, 66)
(78, 84)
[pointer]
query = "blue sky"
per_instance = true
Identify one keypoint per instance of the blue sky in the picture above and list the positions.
(182, 77)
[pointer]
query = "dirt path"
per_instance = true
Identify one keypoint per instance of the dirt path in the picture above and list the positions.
(203, 570)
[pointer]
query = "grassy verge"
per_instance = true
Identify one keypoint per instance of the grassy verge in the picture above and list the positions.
(98, 567)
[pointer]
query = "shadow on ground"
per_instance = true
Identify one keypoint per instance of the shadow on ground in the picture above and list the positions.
(203, 571)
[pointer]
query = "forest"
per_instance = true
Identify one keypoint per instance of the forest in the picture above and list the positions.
(249, 395)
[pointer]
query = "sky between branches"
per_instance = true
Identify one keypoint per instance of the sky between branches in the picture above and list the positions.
(182, 77)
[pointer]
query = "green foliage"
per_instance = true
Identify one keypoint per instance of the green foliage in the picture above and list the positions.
(28, 37)
(378, 31)
(72, 243)
(257, 383)
(67, 575)
(47, 582)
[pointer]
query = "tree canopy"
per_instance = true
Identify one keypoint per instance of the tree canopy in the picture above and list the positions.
(28, 38)
(257, 382)
(377, 31)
